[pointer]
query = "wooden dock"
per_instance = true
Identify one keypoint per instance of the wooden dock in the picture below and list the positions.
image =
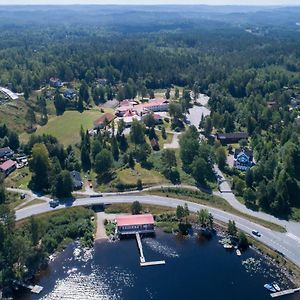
(143, 262)
(36, 289)
(283, 293)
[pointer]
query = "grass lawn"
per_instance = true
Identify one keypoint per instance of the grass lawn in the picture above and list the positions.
(19, 179)
(66, 128)
(125, 208)
(13, 114)
(32, 202)
(148, 177)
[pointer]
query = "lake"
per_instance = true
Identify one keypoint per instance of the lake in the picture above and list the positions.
(195, 269)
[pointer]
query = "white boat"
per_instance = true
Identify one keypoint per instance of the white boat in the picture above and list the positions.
(269, 287)
(276, 286)
(238, 252)
(227, 246)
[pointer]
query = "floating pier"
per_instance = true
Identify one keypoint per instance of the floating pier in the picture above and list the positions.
(36, 289)
(283, 293)
(143, 262)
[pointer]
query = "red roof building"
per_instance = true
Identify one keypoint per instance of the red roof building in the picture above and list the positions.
(8, 167)
(103, 120)
(132, 224)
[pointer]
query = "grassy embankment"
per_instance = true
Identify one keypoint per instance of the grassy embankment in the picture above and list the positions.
(213, 201)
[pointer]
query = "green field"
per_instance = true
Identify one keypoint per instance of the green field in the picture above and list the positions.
(66, 128)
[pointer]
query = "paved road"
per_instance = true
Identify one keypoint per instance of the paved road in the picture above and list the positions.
(286, 243)
(292, 227)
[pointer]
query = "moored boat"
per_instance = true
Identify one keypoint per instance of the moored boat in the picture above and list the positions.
(238, 252)
(269, 287)
(276, 286)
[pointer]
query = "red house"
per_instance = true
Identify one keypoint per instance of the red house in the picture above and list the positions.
(132, 224)
(7, 167)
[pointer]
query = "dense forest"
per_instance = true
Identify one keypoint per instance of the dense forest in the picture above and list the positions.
(242, 59)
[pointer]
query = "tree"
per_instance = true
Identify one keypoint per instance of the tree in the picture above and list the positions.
(221, 157)
(13, 140)
(136, 208)
(149, 120)
(243, 240)
(84, 92)
(39, 165)
(103, 162)
(231, 228)
(34, 230)
(200, 170)
(163, 133)
(249, 197)
(64, 185)
(137, 133)
(167, 94)
(203, 217)
(131, 161)
(115, 148)
(59, 103)
(180, 212)
(85, 158)
(139, 184)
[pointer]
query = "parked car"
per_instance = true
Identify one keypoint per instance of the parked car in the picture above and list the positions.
(22, 196)
(54, 203)
(255, 232)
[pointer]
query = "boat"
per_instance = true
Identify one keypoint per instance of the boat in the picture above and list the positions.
(276, 286)
(238, 252)
(269, 287)
(227, 246)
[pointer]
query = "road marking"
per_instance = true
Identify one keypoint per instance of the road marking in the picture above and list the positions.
(294, 237)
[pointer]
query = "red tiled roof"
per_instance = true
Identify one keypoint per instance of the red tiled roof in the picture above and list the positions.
(135, 220)
(7, 165)
(107, 116)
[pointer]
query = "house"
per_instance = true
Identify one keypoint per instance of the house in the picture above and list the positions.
(8, 167)
(69, 94)
(6, 153)
(136, 223)
(102, 81)
(76, 179)
(231, 138)
(243, 159)
(154, 105)
(121, 110)
(55, 82)
(104, 120)
(154, 144)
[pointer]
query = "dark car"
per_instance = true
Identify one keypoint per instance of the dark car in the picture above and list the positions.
(255, 232)
(54, 203)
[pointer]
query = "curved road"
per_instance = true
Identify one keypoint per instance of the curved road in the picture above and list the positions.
(286, 243)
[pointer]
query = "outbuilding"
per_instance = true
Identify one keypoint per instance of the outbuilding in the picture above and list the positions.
(8, 167)
(132, 224)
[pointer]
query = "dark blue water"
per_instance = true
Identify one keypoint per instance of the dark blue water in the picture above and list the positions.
(193, 270)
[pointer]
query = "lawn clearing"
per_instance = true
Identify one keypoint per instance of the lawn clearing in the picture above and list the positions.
(148, 177)
(66, 128)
